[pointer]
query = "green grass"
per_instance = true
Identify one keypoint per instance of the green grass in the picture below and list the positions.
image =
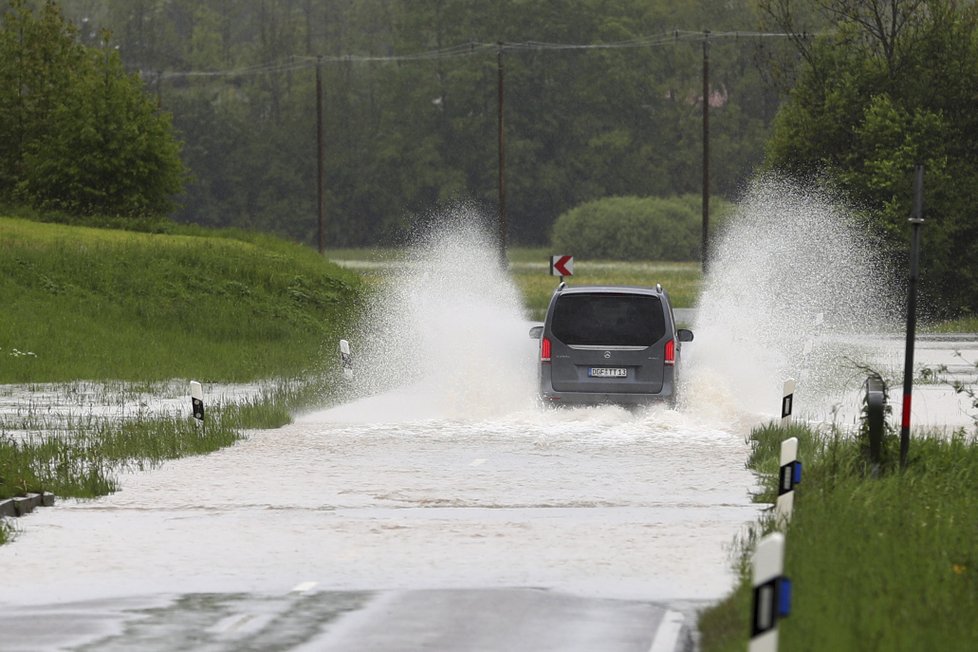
(128, 308)
(681, 280)
(962, 325)
(81, 455)
(887, 563)
(530, 270)
(87, 303)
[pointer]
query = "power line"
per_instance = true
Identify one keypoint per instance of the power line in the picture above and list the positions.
(474, 48)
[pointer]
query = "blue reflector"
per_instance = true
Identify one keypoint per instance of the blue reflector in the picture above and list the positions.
(784, 597)
(797, 472)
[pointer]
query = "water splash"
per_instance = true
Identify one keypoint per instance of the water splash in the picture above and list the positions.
(448, 322)
(794, 284)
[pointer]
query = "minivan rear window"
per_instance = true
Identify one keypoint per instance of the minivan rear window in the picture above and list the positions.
(607, 319)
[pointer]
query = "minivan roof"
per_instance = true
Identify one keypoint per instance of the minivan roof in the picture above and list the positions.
(623, 289)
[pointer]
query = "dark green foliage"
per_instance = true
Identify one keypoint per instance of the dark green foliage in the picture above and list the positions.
(403, 138)
(634, 228)
(872, 101)
(77, 133)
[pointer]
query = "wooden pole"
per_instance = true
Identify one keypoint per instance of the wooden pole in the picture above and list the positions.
(706, 150)
(501, 74)
(320, 159)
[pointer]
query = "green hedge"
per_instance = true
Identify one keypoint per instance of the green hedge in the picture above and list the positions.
(635, 228)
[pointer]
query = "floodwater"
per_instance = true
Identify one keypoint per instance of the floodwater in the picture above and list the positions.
(441, 471)
(595, 501)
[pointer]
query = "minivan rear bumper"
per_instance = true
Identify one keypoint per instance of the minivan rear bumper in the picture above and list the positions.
(553, 397)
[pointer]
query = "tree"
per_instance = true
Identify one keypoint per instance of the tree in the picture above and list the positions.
(890, 86)
(404, 137)
(80, 134)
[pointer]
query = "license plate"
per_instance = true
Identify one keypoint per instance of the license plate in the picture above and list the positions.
(607, 372)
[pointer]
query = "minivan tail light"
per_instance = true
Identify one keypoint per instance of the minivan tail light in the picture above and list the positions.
(545, 349)
(670, 352)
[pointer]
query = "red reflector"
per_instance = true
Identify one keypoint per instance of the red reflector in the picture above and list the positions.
(670, 352)
(545, 350)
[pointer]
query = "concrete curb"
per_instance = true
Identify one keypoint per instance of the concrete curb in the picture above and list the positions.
(21, 505)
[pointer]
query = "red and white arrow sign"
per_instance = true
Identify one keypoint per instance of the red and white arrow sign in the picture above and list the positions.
(561, 265)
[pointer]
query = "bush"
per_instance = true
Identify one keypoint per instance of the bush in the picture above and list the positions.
(634, 228)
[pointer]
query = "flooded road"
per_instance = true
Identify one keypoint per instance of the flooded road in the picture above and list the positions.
(594, 504)
(306, 534)
(601, 501)
(441, 507)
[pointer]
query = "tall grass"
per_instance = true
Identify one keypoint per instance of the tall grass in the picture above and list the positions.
(877, 563)
(83, 454)
(109, 304)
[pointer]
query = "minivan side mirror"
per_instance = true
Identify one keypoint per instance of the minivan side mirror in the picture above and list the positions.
(536, 332)
(684, 335)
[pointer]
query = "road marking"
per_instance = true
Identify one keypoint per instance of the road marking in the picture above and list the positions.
(230, 623)
(478, 462)
(304, 587)
(668, 633)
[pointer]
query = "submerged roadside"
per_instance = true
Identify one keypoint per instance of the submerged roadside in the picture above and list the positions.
(100, 319)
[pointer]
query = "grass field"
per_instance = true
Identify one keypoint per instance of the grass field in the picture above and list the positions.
(81, 453)
(887, 563)
(530, 269)
(125, 308)
(86, 303)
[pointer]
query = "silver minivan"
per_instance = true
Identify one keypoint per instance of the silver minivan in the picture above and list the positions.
(609, 344)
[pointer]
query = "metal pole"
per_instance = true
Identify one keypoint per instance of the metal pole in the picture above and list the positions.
(706, 149)
(915, 222)
(502, 157)
(320, 157)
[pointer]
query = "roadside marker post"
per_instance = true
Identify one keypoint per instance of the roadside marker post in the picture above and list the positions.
(875, 411)
(788, 477)
(346, 359)
(787, 401)
(197, 402)
(561, 266)
(772, 593)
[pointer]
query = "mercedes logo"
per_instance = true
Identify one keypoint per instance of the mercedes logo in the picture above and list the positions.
(607, 355)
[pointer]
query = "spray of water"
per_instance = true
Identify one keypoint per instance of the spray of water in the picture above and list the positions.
(793, 286)
(447, 323)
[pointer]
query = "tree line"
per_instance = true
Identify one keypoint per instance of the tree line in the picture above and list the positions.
(405, 136)
(858, 92)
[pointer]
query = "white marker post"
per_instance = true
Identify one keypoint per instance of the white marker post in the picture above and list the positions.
(197, 401)
(789, 476)
(772, 593)
(787, 401)
(346, 358)
(561, 266)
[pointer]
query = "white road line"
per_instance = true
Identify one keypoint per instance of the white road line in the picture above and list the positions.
(668, 633)
(478, 462)
(303, 587)
(230, 623)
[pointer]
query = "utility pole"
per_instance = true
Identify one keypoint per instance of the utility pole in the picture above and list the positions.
(500, 73)
(320, 157)
(916, 221)
(706, 150)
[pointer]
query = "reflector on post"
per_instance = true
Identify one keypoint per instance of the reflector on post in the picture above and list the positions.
(789, 476)
(346, 359)
(772, 593)
(787, 401)
(197, 401)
